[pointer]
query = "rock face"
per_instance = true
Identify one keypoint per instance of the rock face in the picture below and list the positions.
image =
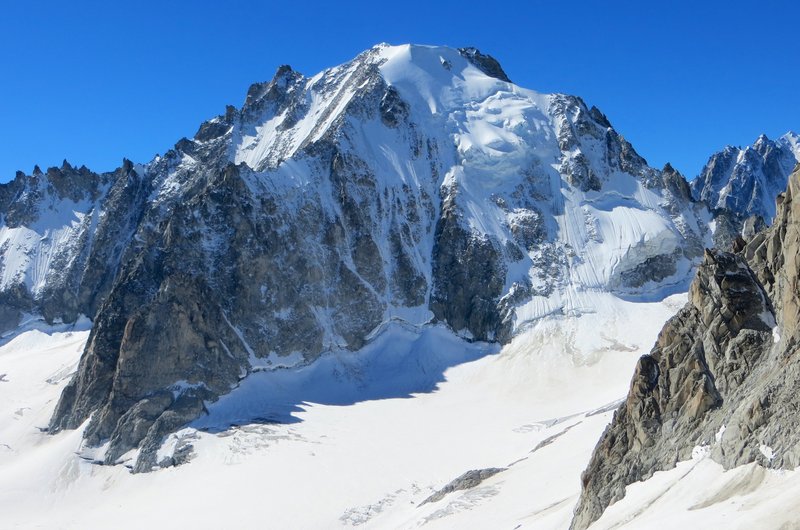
(740, 185)
(486, 63)
(412, 183)
(468, 480)
(723, 373)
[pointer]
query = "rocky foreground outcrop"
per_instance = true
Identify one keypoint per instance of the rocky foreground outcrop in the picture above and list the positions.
(724, 372)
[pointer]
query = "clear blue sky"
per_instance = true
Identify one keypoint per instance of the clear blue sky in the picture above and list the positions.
(94, 82)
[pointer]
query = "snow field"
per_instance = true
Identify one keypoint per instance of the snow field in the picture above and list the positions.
(365, 438)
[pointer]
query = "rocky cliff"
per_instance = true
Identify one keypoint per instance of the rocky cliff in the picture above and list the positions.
(723, 373)
(413, 183)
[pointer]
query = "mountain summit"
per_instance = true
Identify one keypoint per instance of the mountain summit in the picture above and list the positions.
(413, 186)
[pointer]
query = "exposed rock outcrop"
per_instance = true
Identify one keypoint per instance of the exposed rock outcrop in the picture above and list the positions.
(723, 373)
(469, 273)
(468, 480)
(486, 63)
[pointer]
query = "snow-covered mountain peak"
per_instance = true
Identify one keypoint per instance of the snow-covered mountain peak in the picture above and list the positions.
(434, 59)
(433, 68)
(413, 186)
(536, 175)
(291, 111)
(792, 140)
(462, 92)
(531, 173)
(408, 235)
(745, 181)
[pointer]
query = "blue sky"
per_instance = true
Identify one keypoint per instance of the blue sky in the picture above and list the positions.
(94, 82)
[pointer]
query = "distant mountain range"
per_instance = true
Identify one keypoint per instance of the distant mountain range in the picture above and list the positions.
(739, 184)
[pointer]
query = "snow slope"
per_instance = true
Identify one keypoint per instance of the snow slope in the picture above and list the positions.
(700, 491)
(349, 454)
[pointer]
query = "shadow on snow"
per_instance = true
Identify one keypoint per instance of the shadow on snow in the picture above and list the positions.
(398, 363)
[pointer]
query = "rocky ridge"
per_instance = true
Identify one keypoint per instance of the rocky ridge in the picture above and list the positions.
(722, 375)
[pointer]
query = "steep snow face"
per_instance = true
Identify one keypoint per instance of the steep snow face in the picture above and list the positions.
(747, 181)
(32, 252)
(701, 492)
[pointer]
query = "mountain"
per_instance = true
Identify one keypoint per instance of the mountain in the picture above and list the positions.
(740, 185)
(722, 377)
(56, 255)
(411, 188)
